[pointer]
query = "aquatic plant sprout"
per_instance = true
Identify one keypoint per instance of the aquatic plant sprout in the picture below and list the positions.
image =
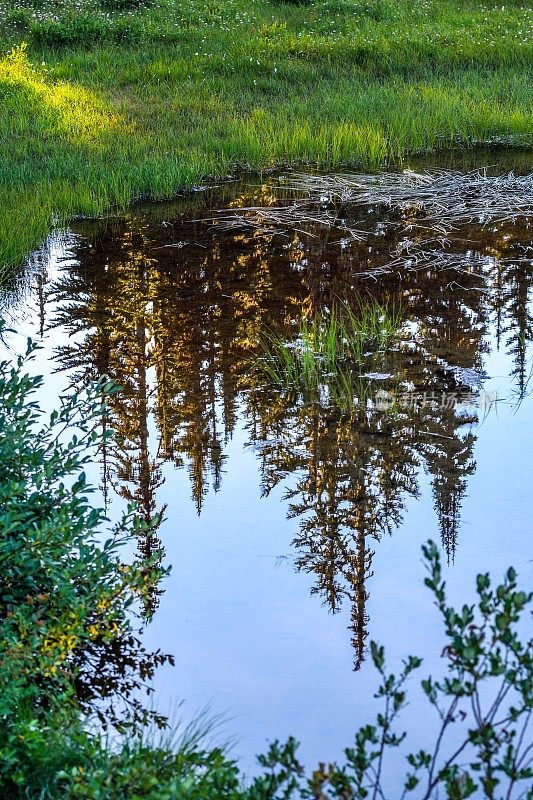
(324, 361)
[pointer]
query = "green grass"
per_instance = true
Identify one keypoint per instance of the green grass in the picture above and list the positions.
(117, 99)
(325, 360)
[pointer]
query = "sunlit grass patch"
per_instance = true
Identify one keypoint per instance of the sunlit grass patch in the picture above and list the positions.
(72, 111)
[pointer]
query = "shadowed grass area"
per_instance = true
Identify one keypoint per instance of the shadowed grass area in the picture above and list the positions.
(116, 100)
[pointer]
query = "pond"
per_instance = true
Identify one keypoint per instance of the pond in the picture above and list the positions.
(293, 523)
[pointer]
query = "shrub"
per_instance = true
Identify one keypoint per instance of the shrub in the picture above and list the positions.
(68, 603)
(19, 19)
(82, 29)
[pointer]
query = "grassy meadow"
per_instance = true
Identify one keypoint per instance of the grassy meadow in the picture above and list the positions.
(104, 101)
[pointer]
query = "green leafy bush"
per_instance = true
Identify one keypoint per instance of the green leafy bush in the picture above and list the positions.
(68, 645)
(19, 19)
(81, 29)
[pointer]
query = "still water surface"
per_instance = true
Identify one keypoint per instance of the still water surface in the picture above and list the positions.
(293, 529)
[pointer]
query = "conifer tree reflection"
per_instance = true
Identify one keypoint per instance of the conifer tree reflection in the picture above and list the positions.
(518, 328)
(178, 330)
(107, 313)
(350, 473)
(512, 279)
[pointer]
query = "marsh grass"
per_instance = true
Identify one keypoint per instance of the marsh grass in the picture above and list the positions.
(325, 361)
